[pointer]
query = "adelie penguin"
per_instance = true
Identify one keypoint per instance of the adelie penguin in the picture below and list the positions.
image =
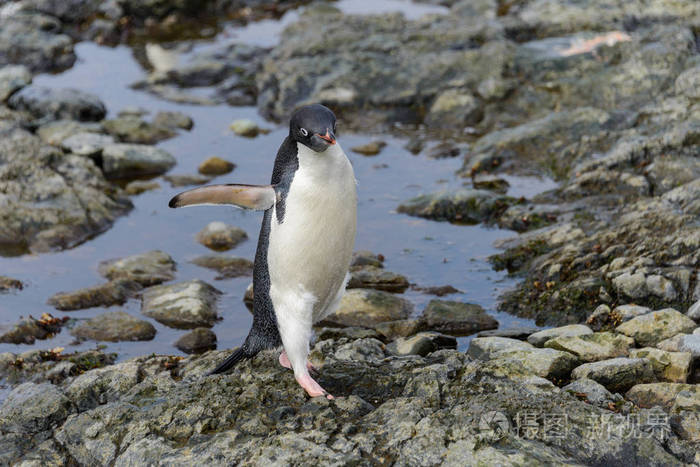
(305, 244)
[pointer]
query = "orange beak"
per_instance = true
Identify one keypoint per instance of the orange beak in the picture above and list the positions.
(328, 137)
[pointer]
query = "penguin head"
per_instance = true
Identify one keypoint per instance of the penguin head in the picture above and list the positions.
(313, 126)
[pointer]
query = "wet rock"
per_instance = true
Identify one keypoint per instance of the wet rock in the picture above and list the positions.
(682, 343)
(694, 311)
(184, 305)
(130, 160)
(445, 150)
(54, 104)
(112, 293)
(185, 180)
(456, 318)
(147, 269)
(487, 348)
(115, 326)
(12, 79)
(50, 365)
(248, 297)
(197, 341)
(400, 328)
(360, 350)
(617, 374)
(220, 237)
(173, 119)
(351, 332)
(491, 183)
(369, 149)
(227, 266)
(421, 344)
(662, 394)
(372, 277)
(668, 366)
(31, 408)
(8, 283)
(132, 129)
(593, 347)
(56, 131)
(366, 258)
(137, 187)
(27, 330)
(461, 206)
(520, 333)
(546, 363)
(594, 392)
(539, 338)
(368, 307)
(216, 166)
(87, 144)
(103, 385)
(245, 127)
(652, 328)
(440, 290)
(454, 108)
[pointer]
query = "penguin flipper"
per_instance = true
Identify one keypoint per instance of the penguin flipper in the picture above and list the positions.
(238, 355)
(256, 197)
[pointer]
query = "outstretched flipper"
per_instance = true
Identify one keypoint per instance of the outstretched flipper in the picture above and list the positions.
(256, 197)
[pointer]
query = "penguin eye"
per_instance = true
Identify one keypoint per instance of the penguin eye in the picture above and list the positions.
(303, 132)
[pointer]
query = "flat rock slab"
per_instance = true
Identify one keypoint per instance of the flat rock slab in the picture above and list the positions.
(227, 266)
(652, 328)
(197, 341)
(617, 374)
(421, 344)
(115, 326)
(184, 305)
(368, 307)
(149, 268)
(663, 394)
(486, 348)
(114, 292)
(593, 347)
(539, 338)
(461, 206)
(219, 236)
(372, 277)
(133, 129)
(31, 408)
(54, 104)
(457, 318)
(673, 367)
(133, 160)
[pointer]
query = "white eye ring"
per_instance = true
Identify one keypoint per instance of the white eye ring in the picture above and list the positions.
(304, 132)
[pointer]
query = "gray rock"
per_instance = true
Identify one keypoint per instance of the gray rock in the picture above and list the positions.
(624, 313)
(367, 307)
(454, 108)
(661, 287)
(221, 237)
(662, 394)
(54, 104)
(369, 149)
(114, 326)
(27, 330)
(687, 83)
(136, 187)
(148, 268)
(462, 206)
(366, 258)
(593, 347)
(682, 343)
(31, 408)
(652, 328)
(694, 311)
(520, 333)
(245, 127)
(103, 385)
(172, 119)
(546, 363)
(8, 283)
(594, 392)
(372, 277)
(227, 266)
(87, 144)
(633, 286)
(130, 160)
(456, 318)
(421, 344)
(400, 328)
(486, 348)
(216, 166)
(197, 341)
(12, 79)
(132, 129)
(112, 293)
(34, 40)
(184, 305)
(539, 338)
(668, 366)
(56, 131)
(617, 374)
(177, 181)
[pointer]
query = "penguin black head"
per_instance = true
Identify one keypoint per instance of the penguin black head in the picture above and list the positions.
(313, 126)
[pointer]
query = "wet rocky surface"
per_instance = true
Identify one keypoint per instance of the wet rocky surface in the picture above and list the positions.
(114, 326)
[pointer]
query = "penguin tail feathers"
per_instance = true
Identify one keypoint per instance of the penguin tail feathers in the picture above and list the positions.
(238, 355)
(256, 197)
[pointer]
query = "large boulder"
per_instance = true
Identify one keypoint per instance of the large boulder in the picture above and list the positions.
(617, 374)
(184, 305)
(54, 104)
(652, 328)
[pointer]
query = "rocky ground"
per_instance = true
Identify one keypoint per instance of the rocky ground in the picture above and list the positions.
(603, 98)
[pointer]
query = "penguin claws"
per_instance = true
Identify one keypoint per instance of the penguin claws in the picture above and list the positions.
(284, 361)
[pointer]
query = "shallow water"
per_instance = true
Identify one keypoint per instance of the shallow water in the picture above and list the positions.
(428, 253)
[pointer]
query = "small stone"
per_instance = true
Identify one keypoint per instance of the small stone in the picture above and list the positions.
(631, 285)
(227, 266)
(668, 366)
(216, 166)
(131, 160)
(595, 392)
(539, 338)
(491, 183)
(87, 144)
(197, 341)
(185, 305)
(12, 79)
(400, 328)
(421, 344)
(486, 348)
(366, 258)
(173, 120)
(27, 330)
(140, 186)
(147, 269)
(132, 111)
(368, 307)
(370, 149)
(177, 181)
(8, 283)
(617, 374)
(245, 127)
(593, 347)
(31, 408)
(652, 328)
(55, 132)
(57, 103)
(112, 293)
(443, 151)
(220, 237)
(132, 129)
(115, 326)
(625, 313)
(248, 297)
(694, 311)
(600, 318)
(372, 277)
(662, 394)
(440, 290)
(457, 318)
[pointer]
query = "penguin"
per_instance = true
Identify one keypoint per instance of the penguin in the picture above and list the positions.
(305, 244)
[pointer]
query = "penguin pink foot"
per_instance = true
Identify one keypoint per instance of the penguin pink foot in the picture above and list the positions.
(312, 388)
(284, 361)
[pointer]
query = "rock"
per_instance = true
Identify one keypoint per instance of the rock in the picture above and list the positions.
(369, 149)
(137, 187)
(368, 307)
(351, 332)
(366, 258)
(593, 347)
(115, 326)
(661, 287)
(184, 305)
(372, 277)
(12, 79)
(668, 366)
(440, 290)
(539, 338)
(245, 127)
(87, 144)
(520, 333)
(461, 206)
(684, 416)
(220, 237)
(617, 374)
(600, 318)
(491, 183)
(633, 286)
(360, 350)
(56, 131)
(663, 394)
(456, 318)
(27, 330)
(54, 104)
(652, 328)
(185, 180)
(421, 344)
(546, 363)
(172, 119)
(147, 269)
(487, 348)
(227, 266)
(197, 341)
(112, 293)
(687, 83)
(131, 160)
(400, 328)
(623, 313)
(594, 392)
(31, 408)
(454, 108)
(248, 297)
(8, 283)
(694, 311)
(104, 385)
(216, 166)
(132, 129)
(682, 343)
